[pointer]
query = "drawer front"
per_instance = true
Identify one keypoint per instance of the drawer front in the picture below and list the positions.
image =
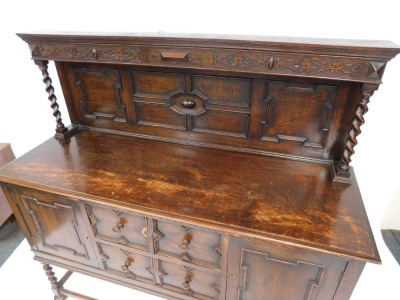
(194, 245)
(57, 225)
(264, 271)
(188, 281)
(127, 264)
(118, 227)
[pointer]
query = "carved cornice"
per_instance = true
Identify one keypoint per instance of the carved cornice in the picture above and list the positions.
(363, 69)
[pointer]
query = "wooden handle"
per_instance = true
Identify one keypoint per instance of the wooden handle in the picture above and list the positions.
(126, 266)
(186, 284)
(175, 56)
(95, 53)
(118, 227)
(184, 246)
(188, 103)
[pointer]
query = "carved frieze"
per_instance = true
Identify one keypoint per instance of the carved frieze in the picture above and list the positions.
(305, 65)
(81, 52)
(358, 69)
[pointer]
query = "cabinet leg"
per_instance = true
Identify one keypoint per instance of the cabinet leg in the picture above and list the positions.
(55, 285)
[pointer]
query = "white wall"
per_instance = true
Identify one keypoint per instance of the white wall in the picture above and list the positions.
(26, 119)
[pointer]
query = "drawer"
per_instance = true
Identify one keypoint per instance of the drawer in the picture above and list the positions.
(127, 264)
(118, 227)
(188, 281)
(190, 244)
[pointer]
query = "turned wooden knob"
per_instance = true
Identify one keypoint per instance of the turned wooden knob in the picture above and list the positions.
(126, 266)
(187, 103)
(95, 54)
(118, 227)
(184, 245)
(186, 284)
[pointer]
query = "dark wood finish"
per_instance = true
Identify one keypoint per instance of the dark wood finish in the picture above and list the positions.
(255, 276)
(220, 116)
(6, 155)
(55, 224)
(55, 285)
(60, 128)
(178, 181)
(202, 167)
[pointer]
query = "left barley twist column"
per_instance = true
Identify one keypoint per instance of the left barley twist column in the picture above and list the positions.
(60, 128)
(55, 285)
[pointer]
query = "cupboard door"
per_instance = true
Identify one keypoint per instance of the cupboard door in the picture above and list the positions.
(56, 225)
(260, 271)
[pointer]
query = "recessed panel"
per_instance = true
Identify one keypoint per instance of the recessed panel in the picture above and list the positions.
(154, 84)
(159, 115)
(222, 122)
(224, 90)
(298, 112)
(100, 93)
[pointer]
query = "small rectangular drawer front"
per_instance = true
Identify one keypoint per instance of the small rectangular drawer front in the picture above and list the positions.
(118, 227)
(127, 264)
(190, 244)
(188, 281)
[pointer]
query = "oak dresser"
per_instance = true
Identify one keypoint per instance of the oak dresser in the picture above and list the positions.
(201, 167)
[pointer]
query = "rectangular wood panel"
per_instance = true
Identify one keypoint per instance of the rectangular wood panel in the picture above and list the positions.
(100, 93)
(223, 90)
(56, 224)
(156, 85)
(222, 122)
(159, 115)
(258, 271)
(297, 111)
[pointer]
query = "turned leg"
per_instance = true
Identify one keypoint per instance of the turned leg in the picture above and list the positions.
(55, 285)
(61, 130)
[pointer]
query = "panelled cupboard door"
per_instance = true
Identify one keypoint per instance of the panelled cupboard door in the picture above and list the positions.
(260, 271)
(56, 224)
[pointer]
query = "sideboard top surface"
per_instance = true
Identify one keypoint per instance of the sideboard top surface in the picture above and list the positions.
(254, 195)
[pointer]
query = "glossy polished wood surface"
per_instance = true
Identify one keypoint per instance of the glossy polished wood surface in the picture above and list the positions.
(201, 167)
(252, 195)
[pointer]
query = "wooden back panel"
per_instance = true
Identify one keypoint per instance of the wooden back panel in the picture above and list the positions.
(289, 116)
(298, 98)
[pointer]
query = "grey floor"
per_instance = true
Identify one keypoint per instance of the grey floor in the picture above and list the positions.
(10, 237)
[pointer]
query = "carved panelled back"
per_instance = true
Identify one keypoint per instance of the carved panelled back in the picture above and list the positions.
(298, 99)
